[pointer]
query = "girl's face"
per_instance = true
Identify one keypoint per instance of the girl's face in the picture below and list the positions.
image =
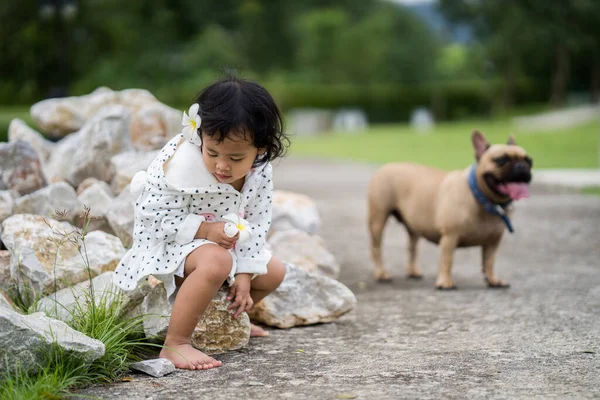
(231, 160)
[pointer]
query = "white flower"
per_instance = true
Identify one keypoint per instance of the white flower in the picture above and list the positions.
(191, 124)
(237, 224)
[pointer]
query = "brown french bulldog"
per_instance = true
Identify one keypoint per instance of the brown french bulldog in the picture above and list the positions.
(462, 208)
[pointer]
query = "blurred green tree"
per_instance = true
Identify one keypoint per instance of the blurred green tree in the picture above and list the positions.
(535, 38)
(387, 45)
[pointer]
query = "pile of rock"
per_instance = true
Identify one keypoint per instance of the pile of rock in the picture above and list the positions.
(105, 138)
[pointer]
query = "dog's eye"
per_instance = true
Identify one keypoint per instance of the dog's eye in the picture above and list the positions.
(501, 161)
(529, 161)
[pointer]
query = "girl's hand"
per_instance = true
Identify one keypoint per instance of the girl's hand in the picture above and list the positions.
(215, 232)
(239, 293)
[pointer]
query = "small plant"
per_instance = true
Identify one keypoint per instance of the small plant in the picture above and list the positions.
(58, 373)
(103, 319)
(101, 316)
(23, 296)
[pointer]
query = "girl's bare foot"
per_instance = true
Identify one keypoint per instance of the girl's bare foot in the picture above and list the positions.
(257, 331)
(186, 357)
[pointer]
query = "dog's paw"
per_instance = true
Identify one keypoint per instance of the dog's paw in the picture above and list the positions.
(416, 277)
(445, 284)
(447, 289)
(383, 277)
(497, 283)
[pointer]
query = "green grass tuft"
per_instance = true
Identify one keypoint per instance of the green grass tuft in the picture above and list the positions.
(123, 337)
(57, 376)
(99, 316)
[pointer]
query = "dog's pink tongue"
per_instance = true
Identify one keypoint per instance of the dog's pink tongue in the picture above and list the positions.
(515, 191)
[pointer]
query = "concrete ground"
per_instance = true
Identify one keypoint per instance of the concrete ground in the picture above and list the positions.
(538, 339)
(561, 178)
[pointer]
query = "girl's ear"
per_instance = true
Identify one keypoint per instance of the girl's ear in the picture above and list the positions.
(262, 151)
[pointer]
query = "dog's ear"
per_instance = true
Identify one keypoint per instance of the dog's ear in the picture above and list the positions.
(511, 140)
(480, 144)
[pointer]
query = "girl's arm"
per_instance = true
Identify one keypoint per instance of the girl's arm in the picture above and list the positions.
(166, 217)
(252, 257)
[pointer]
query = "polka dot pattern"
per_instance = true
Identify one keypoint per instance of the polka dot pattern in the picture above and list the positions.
(163, 235)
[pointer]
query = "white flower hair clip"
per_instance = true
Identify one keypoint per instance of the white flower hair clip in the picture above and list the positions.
(191, 123)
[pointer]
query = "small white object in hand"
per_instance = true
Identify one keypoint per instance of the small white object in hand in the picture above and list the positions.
(230, 229)
(237, 224)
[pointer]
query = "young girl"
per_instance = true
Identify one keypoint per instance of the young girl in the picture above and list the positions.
(218, 165)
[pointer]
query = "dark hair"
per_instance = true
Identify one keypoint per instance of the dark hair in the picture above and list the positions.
(240, 107)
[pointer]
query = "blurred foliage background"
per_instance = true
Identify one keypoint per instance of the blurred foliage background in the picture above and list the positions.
(381, 56)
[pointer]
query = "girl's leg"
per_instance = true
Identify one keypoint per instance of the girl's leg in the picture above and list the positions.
(262, 285)
(206, 268)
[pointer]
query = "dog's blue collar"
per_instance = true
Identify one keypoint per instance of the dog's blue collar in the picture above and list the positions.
(492, 208)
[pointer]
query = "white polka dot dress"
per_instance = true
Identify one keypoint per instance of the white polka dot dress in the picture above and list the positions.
(167, 218)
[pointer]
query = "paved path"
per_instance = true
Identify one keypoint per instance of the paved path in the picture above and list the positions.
(568, 178)
(538, 339)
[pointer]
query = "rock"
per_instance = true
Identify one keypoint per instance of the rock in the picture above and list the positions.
(126, 165)
(87, 182)
(58, 198)
(215, 333)
(6, 302)
(97, 198)
(304, 298)
(91, 148)
(156, 368)
(59, 117)
(26, 339)
(20, 168)
(66, 303)
(218, 331)
(7, 204)
(56, 169)
(120, 216)
(155, 307)
(5, 278)
(304, 251)
(19, 130)
(153, 126)
(46, 254)
(294, 211)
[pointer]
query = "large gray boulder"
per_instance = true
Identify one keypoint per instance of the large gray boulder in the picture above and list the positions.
(152, 123)
(304, 298)
(216, 332)
(305, 251)
(126, 165)
(89, 151)
(19, 130)
(72, 301)
(58, 198)
(7, 204)
(20, 168)
(294, 211)
(120, 216)
(26, 339)
(48, 255)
